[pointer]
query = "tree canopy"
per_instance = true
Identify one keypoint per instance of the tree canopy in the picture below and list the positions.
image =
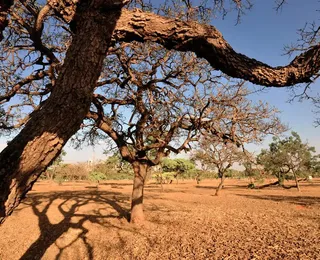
(288, 156)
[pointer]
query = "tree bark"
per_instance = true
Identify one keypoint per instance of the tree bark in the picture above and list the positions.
(208, 43)
(222, 178)
(269, 184)
(140, 174)
(49, 128)
(4, 9)
(296, 180)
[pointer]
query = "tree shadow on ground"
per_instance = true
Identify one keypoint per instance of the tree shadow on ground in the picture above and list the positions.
(225, 187)
(69, 203)
(115, 184)
(298, 200)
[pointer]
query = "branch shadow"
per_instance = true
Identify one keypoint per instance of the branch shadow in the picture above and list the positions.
(225, 187)
(297, 200)
(70, 202)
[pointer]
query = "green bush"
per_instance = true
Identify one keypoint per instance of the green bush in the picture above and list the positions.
(251, 186)
(59, 179)
(96, 176)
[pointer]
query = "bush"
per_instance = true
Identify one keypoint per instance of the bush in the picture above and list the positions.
(251, 186)
(96, 176)
(58, 179)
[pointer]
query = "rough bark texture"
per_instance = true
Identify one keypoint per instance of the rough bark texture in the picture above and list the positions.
(43, 137)
(207, 42)
(140, 174)
(4, 8)
(220, 185)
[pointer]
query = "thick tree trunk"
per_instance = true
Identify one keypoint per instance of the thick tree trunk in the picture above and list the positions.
(222, 178)
(140, 173)
(43, 137)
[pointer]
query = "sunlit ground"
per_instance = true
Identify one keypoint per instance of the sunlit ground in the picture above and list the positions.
(184, 221)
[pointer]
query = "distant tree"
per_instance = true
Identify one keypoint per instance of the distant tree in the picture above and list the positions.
(218, 156)
(177, 166)
(287, 156)
(59, 159)
(152, 102)
(116, 163)
(51, 171)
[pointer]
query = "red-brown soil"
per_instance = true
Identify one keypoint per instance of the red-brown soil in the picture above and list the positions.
(184, 221)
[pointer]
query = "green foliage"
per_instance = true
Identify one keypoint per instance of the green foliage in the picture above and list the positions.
(116, 164)
(59, 179)
(254, 174)
(173, 168)
(177, 165)
(59, 159)
(96, 176)
(251, 185)
(232, 173)
(287, 157)
(81, 171)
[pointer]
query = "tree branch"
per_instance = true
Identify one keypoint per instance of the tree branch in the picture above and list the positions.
(207, 42)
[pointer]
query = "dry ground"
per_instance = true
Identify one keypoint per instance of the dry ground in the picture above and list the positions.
(78, 221)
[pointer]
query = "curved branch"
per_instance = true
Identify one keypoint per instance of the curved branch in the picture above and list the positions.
(207, 42)
(105, 126)
(38, 25)
(15, 88)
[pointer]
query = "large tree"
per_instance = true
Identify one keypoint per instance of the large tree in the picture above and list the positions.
(92, 24)
(155, 101)
(50, 127)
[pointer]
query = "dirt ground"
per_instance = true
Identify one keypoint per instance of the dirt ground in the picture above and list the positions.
(184, 221)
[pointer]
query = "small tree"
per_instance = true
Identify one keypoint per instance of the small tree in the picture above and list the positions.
(178, 166)
(252, 171)
(218, 156)
(287, 156)
(51, 171)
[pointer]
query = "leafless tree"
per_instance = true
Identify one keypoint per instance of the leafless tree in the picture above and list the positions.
(218, 156)
(160, 101)
(94, 27)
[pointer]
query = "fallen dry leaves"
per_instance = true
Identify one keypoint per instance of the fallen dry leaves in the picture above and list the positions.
(78, 221)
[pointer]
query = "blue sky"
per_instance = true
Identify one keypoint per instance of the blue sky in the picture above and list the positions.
(262, 34)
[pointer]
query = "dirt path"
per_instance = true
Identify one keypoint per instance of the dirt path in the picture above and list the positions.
(78, 221)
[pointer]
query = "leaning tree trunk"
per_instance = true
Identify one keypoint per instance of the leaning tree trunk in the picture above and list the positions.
(43, 137)
(222, 178)
(140, 174)
(296, 180)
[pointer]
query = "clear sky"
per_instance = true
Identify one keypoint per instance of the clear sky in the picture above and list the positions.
(262, 34)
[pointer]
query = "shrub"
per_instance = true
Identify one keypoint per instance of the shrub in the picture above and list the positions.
(96, 176)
